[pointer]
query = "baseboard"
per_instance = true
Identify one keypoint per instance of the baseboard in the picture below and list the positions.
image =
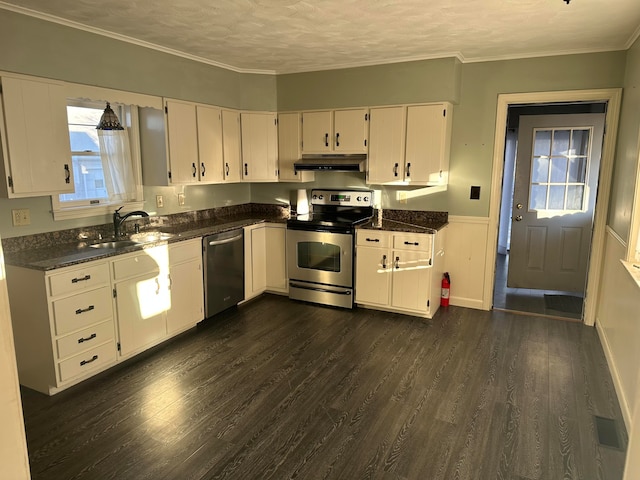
(466, 302)
(617, 384)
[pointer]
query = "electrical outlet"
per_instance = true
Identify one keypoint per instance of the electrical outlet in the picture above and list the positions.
(159, 201)
(402, 197)
(181, 199)
(21, 217)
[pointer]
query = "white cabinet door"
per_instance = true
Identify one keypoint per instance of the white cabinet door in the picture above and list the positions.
(428, 142)
(231, 145)
(290, 148)
(259, 147)
(183, 142)
(373, 276)
(350, 131)
(141, 304)
(317, 132)
(411, 280)
(187, 301)
(210, 151)
(255, 253)
(185, 285)
(276, 258)
(35, 140)
(386, 145)
(339, 131)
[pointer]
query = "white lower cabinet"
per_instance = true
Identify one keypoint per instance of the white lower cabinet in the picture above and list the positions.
(265, 259)
(63, 324)
(142, 297)
(64, 321)
(399, 271)
(185, 285)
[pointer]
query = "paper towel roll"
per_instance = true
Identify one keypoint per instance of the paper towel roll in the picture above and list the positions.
(302, 205)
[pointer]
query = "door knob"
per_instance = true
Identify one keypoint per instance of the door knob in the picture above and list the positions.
(519, 206)
(518, 218)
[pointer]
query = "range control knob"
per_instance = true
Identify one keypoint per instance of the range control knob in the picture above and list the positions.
(366, 199)
(321, 197)
(359, 199)
(314, 196)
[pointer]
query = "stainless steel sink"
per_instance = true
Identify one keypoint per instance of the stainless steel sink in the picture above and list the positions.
(115, 244)
(148, 237)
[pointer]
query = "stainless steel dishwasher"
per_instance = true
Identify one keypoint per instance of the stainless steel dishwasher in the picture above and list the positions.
(223, 271)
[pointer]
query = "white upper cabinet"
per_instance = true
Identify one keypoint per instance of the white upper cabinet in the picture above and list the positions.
(290, 148)
(35, 139)
(428, 143)
(182, 139)
(231, 145)
(386, 145)
(335, 131)
(210, 149)
(259, 147)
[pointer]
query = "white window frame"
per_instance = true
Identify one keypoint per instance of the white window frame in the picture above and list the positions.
(129, 120)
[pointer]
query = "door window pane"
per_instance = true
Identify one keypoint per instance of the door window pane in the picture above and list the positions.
(580, 142)
(540, 169)
(538, 199)
(561, 142)
(556, 197)
(558, 170)
(575, 197)
(577, 170)
(542, 143)
(319, 256)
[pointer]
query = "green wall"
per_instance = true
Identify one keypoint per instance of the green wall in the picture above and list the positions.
(32, 46)
(624, 174)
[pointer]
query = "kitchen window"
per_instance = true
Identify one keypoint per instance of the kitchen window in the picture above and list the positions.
(91, 157)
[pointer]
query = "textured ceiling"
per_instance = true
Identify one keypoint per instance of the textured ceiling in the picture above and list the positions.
(292, 36)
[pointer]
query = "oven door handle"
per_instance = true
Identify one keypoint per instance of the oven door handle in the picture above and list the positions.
(319, 289)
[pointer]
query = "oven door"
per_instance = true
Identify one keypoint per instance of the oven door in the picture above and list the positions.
(320, 257)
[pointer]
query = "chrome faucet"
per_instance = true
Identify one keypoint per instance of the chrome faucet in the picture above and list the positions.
(118, 219)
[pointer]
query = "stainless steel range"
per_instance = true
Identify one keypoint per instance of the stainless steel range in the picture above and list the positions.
(320, 246)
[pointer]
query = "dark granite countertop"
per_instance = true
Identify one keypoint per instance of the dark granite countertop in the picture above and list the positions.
(68, 254)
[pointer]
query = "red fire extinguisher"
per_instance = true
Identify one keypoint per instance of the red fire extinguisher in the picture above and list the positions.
(446, 286)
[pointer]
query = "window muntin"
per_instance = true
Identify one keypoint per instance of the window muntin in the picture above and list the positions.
(559, 166)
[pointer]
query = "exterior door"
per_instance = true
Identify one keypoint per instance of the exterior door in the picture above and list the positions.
(556, 178)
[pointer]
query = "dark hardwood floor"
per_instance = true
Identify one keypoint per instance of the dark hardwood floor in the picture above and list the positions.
(282, 389)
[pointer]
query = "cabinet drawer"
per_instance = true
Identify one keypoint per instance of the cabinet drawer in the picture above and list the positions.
(86, 339)
(79, 279)
(417, 242)
(148, 262)
(88, 361)
(185, 251)
(373, 238)
(82, 310)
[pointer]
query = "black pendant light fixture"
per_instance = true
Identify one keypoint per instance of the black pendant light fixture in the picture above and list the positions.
(109, 120)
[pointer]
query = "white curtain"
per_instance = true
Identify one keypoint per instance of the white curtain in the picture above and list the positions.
(116, 164)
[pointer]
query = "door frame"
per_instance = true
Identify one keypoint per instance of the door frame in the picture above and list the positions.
(613, 98)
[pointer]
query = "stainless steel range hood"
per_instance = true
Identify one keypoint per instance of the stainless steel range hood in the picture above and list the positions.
(333, 162)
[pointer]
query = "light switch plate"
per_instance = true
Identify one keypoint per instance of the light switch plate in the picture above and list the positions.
(21, 217)
(181, 199)
(159, 201)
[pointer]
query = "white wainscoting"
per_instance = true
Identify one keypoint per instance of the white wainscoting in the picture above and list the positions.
(618, 324)
(465, 256)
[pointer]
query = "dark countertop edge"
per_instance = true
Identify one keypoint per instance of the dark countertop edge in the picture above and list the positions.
(53, 258)
(398, 226)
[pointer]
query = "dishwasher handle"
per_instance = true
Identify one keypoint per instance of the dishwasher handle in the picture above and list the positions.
(226, 240)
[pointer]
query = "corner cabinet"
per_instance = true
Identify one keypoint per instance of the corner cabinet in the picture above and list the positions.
(63, 324)
(290, 148)
(399, 272)
(335, 131)
(35, 139)
(259, 134)
(410, 144)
